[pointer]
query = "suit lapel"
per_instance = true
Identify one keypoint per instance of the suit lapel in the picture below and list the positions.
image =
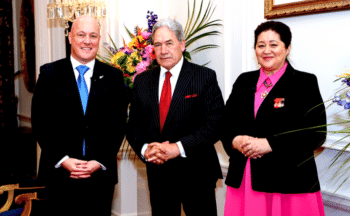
(69, 84)
(180, 88)
(251, 90)
(96, 82)
(154, 94)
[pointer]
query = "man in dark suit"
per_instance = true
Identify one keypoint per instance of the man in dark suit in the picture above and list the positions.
(78, 114)
(173, 122)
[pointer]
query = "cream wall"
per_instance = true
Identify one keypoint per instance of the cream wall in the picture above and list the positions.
(320, 43)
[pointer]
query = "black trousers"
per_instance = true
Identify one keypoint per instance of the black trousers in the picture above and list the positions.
(166, 196)
(75, 197)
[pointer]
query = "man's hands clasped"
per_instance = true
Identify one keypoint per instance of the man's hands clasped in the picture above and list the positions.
(159, 153)
(80, 169)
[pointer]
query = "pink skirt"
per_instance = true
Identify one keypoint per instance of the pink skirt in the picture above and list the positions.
(246, 202)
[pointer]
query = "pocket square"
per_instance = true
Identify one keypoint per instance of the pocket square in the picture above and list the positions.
(279, 103)
(191, 96)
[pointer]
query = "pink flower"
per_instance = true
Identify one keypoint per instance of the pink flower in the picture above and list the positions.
(141, 67)
(147, 51)
(146, 35)
(126, 50)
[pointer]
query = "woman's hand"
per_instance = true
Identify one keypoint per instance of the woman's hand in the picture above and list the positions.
(241, 140)
(256, 148)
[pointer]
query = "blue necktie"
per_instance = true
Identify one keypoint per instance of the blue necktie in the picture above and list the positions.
(83, 91)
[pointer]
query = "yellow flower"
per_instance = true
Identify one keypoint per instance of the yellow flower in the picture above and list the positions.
(130, 68)
(135, 56)
(129, 60)
(343, 75)
(115, 58)
(132, 42)
(135, 42)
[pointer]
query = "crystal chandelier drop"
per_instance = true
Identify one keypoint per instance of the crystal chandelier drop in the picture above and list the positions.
(69, 10)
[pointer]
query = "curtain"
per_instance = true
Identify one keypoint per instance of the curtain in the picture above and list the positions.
(27, 41)
(8, 111)
(17, 146)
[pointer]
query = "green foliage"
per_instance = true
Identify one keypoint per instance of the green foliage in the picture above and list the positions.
(197, 27)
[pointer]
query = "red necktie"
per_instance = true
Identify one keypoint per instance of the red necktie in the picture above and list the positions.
(165, 99)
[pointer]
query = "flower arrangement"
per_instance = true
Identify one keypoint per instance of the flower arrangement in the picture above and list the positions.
(135, 57)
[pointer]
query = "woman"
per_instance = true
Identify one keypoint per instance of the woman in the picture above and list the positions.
(272, 169)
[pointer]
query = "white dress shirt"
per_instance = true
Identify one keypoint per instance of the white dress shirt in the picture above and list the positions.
(175, 72)
(87, 77)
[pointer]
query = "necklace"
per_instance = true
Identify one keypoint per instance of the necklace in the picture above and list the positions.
(264, 94)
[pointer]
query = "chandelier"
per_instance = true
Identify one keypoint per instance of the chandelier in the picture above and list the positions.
(69, 10)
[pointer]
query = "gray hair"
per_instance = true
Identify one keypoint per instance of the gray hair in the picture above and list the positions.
(173, 25)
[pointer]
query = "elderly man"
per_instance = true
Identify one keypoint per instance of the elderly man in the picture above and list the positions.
(173, 127)
(78, 114)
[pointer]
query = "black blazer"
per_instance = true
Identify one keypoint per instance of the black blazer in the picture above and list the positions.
(193, 118)
(290, 167)
(60, 124)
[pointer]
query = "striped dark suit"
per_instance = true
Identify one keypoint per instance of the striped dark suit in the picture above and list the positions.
(193, 118)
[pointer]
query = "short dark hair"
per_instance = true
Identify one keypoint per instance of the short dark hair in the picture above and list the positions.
(280, 28)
